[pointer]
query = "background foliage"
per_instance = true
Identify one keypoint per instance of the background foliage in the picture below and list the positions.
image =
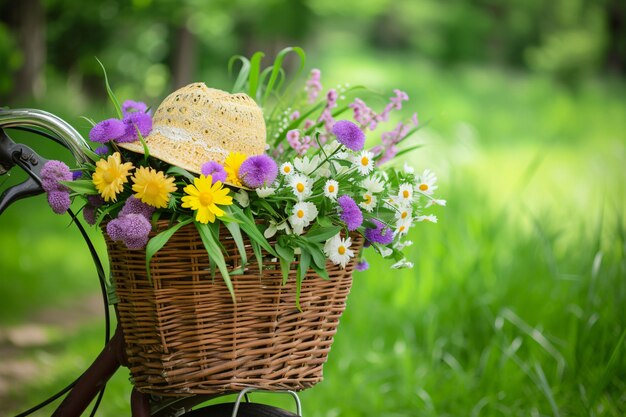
(515, 306)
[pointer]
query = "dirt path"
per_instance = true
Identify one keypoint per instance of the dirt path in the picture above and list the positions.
(17, 342)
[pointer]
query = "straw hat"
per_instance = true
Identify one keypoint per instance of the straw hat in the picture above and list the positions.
(197, 124)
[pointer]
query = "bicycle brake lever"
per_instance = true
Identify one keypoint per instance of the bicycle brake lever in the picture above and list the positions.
(12, 154)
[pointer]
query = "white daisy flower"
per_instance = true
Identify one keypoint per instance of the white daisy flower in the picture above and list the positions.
(306, 165)
(402, 264)
(331, 188)
(426, 183)
(338, 250)
(286, 168)
(301, 185)
(264, 192)
(430, 218)
(369, 202)
(402, 226)
(404, 213)
(275, 227)
(373, 184)
(434, 201)
(364, 162)
(242, 198)
(405, 194)
(408, 168)
(303, 214)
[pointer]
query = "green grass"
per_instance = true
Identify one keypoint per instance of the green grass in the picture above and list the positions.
(515, 306)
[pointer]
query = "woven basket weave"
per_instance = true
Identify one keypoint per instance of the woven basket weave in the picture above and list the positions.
(185, 336)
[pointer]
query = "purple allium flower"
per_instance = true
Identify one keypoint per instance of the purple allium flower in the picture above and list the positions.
(349, 135)
(53, 172)
(350, 213)
(102, 150)
(215, 169)
(381, 234)
(134, 205)
(59, 201)
(133, 122)
(258, 171)
(95, 200)
(107, 130)
(132, 229)
(89, 211)
(362, 265)
(131, 106)
(89, 214)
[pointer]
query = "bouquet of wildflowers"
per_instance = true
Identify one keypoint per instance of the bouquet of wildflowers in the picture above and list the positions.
(314, 184)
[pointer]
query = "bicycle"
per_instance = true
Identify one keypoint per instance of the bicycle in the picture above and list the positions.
(91, 384)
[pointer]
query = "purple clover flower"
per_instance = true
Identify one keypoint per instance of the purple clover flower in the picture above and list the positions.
(215, 169)
(381, 234)
(131, 229)
(134, 205)
(107, 130)
(132, 122)
(102, 150)
(53, 172)
(131, 106)
(362, 265)
(59, 201)
(350, 213)
(349, 135)
(258, 171)
(313, 85)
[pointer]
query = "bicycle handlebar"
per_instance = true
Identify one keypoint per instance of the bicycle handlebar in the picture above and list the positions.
(12, 153)
(59, 127)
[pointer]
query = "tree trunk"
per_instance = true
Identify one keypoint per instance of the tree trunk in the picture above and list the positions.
(184, 64)
(26, 19)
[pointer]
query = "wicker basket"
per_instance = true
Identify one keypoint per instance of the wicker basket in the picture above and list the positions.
(185, 336)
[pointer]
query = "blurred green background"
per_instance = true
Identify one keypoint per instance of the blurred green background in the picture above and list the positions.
(516, 304)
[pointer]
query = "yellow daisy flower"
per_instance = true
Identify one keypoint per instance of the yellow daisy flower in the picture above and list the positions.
(153, 187)
(110, 176)
(204, 196)
(231, 166)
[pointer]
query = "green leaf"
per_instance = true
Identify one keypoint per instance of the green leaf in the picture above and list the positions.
(178, 171)
(158, 241)
(303, 267)
(81, 186)
(215, 253)
(89, 120)
(146, 151)
(314, 250)
(321, 234)
(244, 71)
(250, 228)
(407, 150)
(322, 272)
(286, 256)
(112, 97)
(253, 77)
(235, 232)
(278, 62)
(256, 248)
